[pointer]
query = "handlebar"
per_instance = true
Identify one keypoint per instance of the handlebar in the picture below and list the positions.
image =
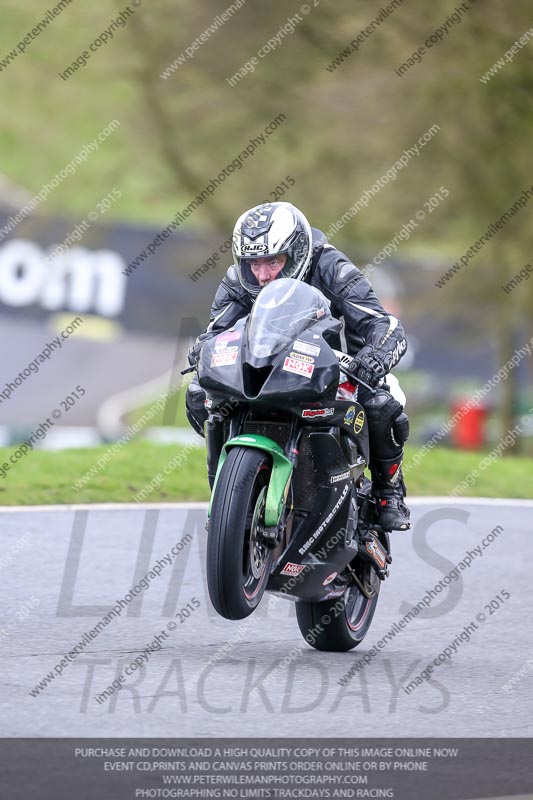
(345, 361)
(362, 383)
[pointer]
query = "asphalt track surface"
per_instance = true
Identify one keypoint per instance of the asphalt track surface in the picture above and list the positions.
(104, 368)
(67, 566)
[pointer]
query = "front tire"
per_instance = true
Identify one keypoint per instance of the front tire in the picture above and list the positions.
(238, 563)
(342, 624)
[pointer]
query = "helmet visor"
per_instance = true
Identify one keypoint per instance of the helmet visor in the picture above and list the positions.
(259, 272)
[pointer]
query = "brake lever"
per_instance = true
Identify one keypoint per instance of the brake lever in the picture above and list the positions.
(362, 383)
(344, 360)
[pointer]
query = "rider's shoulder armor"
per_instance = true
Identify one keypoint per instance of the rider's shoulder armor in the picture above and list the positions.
(331, 270)
(234, 287)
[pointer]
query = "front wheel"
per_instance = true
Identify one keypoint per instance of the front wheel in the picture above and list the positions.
(341, 624)
(238, 563)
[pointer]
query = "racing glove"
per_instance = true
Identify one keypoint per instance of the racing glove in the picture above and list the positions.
(193, 356)
(368, 367)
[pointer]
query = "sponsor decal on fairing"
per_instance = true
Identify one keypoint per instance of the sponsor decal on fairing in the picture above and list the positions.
(305, 347)
(343, 476)
(292, 569)
(377, 553)
(221, 341)
(349, 416)
(298, 367)
(225, 358)
(326, 522)
(318, 412)
(359, 422)
(301, 357)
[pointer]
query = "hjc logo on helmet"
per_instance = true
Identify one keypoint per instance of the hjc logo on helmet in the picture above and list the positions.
(254, 249)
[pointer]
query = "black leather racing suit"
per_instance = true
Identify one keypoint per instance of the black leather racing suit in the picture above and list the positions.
(365, 323)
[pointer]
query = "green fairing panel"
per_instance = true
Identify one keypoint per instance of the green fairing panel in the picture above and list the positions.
(281, 473)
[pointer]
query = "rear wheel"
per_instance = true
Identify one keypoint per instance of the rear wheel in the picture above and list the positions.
(341, 624)
(238, 563)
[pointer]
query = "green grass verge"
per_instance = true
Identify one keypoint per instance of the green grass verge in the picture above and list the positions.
(162, 417)
(45, 477)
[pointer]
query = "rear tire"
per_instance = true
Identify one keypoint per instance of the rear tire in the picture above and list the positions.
(342, 624)
(238, 564)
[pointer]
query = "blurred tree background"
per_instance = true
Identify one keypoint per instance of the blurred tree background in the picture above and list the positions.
(345, 127)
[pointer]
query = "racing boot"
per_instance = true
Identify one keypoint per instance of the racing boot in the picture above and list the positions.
(388, 489)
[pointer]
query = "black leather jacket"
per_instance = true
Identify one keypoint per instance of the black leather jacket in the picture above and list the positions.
(351, 296)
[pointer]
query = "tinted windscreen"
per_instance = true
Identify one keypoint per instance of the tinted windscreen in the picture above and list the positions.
(281, 312)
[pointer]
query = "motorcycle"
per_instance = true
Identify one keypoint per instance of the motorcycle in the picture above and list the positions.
(290, 510)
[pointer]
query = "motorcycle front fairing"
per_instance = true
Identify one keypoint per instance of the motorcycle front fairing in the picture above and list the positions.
(258, 358)
(300, 380)
(228, 366)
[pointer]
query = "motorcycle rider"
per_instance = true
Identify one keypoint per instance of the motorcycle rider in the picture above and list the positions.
(275, 240)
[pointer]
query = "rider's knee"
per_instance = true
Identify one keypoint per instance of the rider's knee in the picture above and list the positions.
(388, 425)
(400, 429)
(382, 408)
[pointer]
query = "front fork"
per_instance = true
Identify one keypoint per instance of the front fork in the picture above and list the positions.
(272, 537)
(215, 439)
(272, 534)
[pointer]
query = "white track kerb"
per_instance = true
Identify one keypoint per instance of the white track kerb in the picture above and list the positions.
(413, 501)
